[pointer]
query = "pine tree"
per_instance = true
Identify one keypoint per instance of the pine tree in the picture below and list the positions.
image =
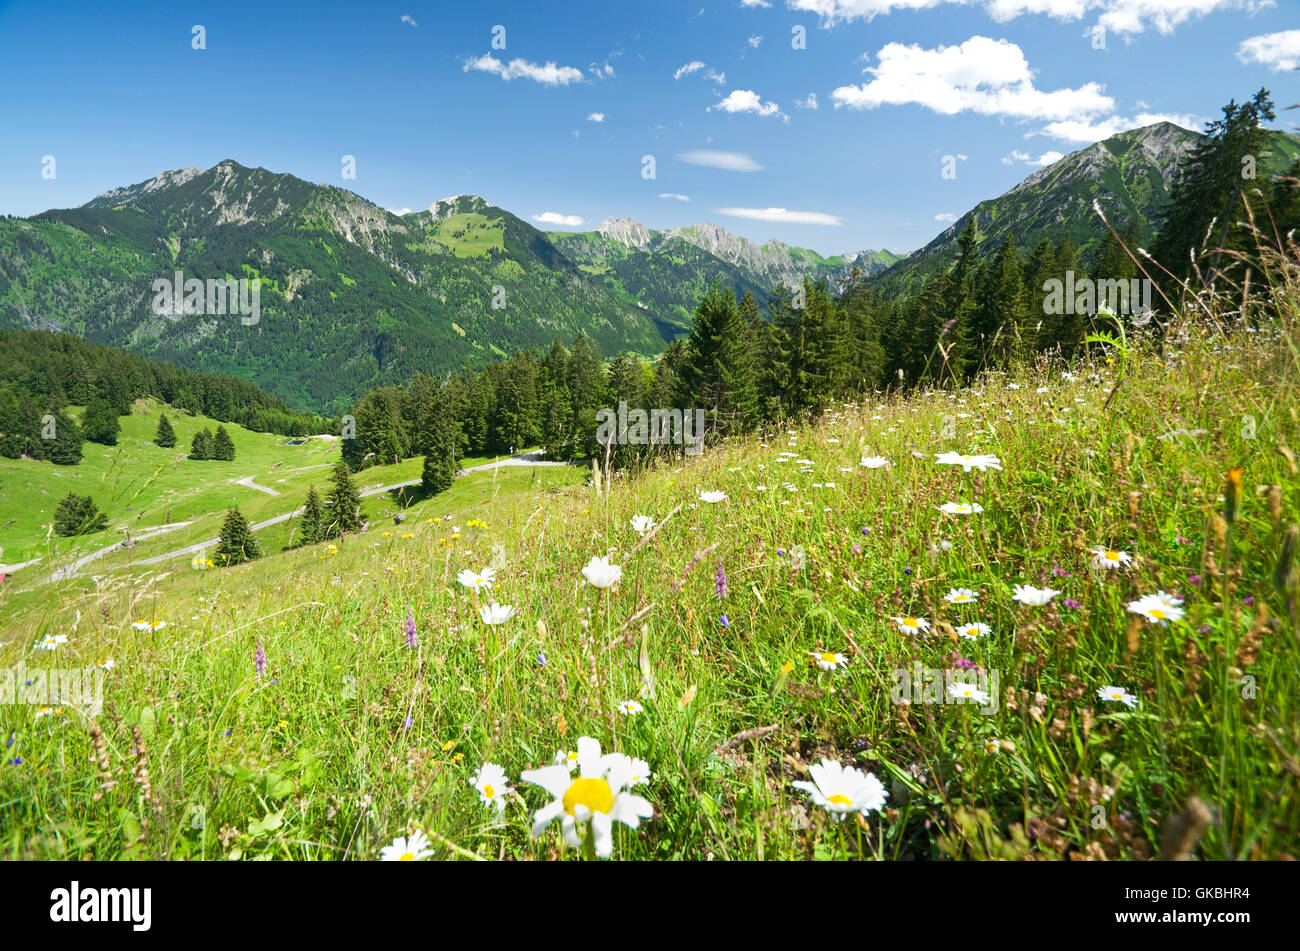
(100, 423)
(165, 437)
(717, 372)
(439, 433)
(344, 503)
(223, 447)
(237, 543)
(64, 448)
(78, 515)
(202, 445)
(311, 524)
(1000, 310)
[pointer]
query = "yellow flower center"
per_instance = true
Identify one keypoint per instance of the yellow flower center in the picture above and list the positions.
(407, 857)
(828, 658)
(1113, 555)
(488, 790)
(595, 794)
(1157, 614)
(839, 800)
(909, 622)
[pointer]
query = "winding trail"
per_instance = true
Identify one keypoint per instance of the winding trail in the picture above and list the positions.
(71, 571)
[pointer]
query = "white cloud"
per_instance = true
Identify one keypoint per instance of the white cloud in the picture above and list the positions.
(1088, 131)
(945, 216)
(1047, 158)
(717, 77)
(555, 218)
(754, 3)
(549, 74)
(399, 211)
(675, 196)
(407, 18)
(746, 100)
(989, 77)
(729, 161)
(691, 67)
(809, 103)
(1277, 51)
(755, 40)
(1119, 16)
(596, 117)
(783, 216)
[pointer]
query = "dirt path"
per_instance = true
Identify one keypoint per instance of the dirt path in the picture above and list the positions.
(248, 481)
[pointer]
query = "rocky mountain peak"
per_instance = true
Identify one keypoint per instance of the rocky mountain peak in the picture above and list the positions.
(625, 231)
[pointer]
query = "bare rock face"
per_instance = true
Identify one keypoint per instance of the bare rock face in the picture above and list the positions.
(128, 193)
(625, 231)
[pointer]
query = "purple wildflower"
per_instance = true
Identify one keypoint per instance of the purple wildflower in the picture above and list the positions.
(725, 621)
(407, 725)
(259, 659)
(1060, 572)
(1248, 601)
(16, 761)
(1181, 540)
(1194, 580)
(411, 640)
(857, 549)
(720, 581)
(963, 663)
(907, 571)
(541, 659)
(1204, 629)
(1072, 604)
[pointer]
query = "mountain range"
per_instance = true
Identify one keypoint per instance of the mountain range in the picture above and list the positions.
(353, 296)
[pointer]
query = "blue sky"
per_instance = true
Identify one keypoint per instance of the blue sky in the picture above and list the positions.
(418, 94)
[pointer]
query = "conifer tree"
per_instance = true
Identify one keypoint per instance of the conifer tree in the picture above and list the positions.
(439, 432)
(202, 445)
(237, 543)
(223, 447)
(78, 515)
(344, 503)
(64, 449)
(717, 372)
(100, 423)
(165, 437)
(311, 524)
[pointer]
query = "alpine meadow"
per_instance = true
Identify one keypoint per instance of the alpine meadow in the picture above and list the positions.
(943, 505)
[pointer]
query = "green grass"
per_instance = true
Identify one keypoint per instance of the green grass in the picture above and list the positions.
(317, 760)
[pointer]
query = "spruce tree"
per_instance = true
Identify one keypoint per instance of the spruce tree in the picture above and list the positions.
(165, 437)
(344, 503)
(64, 449)
(311, 524)
(100, 423)
(223, 447)
(439, 437)
(718, 372)
(78, 515)
(237, 544)
(202, 445)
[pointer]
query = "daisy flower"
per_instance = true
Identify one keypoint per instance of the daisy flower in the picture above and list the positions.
(567, 759)
(476, 580)
(828, 661)
(911, 625)
(1118, 694)
(991, 746)
(961, 596)
(492, 785)
(493, 613)
(959, 690)
(961, 508)
(974, 630)
(1035, 597)
(642, 524)
(841, 790)
(108, 664)
(712, 496)
(407, 850)
(629, 708)
(1110, 558)
(983, 463)
(597, 798)
(640, 772)
(52, 642)
(601, 574)
(874, 462)
(1158, 608)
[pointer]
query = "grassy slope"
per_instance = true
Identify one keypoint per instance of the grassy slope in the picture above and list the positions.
(316, 760)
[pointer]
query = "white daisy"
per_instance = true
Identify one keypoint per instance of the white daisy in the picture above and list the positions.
(828, 661)
(712, 496)
(1117, 694)
(407, 850)
(1158, 608)
(52, 642)
(493, 613)
(1110, 558)
(961, 508)
(874, 462)
(477, 579)
(601, 574)
(961, 596)
(629, 708)
(991, 746)
(1035, 597)
(841, 790)
(959, 690)
(597, 797)
(567, 759)
(492, 785)
(973, 630)
(642, 524)
(982, 462)
(911, 625)
(108, 664)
